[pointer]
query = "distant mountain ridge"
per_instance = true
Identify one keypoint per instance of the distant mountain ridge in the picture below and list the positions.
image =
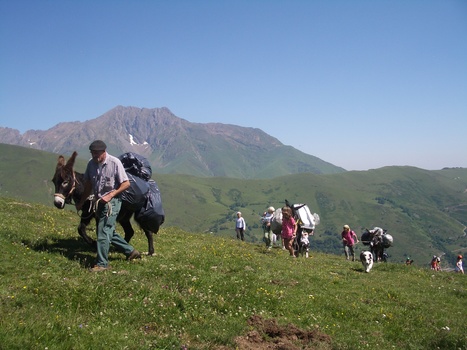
(176, 146)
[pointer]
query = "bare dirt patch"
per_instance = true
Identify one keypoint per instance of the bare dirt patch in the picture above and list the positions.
(269, 335)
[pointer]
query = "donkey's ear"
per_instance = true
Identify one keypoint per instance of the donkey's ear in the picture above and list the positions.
(71, 161)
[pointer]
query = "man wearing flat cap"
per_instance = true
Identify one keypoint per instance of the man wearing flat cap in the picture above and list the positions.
(105, 177)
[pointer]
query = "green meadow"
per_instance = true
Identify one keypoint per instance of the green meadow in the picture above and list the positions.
(201, 291)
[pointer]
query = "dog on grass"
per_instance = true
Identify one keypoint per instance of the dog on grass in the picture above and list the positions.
(303, 245)
(367, 260)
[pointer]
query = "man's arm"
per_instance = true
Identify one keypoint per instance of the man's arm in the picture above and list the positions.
(123, 187)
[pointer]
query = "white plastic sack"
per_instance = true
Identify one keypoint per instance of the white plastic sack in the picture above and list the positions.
(307, 220)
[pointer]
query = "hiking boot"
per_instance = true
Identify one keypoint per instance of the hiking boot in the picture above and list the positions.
(97, 268)
(134, 255)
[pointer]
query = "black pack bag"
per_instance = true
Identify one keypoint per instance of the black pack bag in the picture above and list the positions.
(137, 165)
(366, 238)
(134, 198)
(151, 215)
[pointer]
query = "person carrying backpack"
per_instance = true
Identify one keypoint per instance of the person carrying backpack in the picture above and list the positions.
(266, 224)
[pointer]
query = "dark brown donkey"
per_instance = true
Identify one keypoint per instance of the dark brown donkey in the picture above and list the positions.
(69, 187)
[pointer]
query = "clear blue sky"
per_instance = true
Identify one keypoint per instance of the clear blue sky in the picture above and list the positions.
(360, 84)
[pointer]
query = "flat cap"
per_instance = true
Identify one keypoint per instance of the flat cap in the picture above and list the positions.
(97, 145)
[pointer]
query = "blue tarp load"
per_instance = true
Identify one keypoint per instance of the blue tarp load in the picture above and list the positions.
(152, 211)
(143, 197)
(135, 196)
(137, 165)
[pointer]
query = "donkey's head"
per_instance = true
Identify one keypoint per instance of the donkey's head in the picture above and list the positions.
(64, 180)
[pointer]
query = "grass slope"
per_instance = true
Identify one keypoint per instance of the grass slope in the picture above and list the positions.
(421, 209)
(425, 211)
(201, 292)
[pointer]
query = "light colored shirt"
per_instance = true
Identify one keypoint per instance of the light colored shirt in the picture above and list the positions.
(106, 176)
(240, 223)
(459, 267)
(267, 218)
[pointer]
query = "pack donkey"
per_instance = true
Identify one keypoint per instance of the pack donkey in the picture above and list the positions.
(378, 239)
(306, 223)
(69, 188)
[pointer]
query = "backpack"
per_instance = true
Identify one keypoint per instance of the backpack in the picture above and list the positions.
(137, 165)
(305, 218)
(276, 221)
(134, 196)
(151, 214)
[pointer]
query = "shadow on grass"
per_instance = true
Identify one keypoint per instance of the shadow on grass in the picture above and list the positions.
(358, 269)
(71, 248)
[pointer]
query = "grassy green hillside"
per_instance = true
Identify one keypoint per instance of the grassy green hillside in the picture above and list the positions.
(205, 292)
(425, 211)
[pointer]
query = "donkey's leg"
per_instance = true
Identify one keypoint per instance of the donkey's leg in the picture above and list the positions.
(150, 237)
(86, 216)
(150, 234)
(123, 219)
(378, 253)
(82, 232)
(373, 252)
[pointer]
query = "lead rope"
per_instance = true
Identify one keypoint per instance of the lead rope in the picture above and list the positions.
(92, 208)
(109, 211)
